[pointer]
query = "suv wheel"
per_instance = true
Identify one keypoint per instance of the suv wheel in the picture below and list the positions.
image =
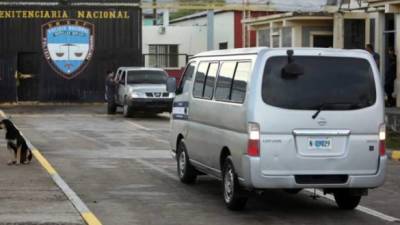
(111, 108)
(235, 197)
(127, 110)
(186, 172)
(345, 200)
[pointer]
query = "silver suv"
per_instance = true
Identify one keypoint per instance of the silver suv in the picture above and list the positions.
(142, 89)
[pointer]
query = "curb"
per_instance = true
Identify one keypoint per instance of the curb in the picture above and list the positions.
(395, 155)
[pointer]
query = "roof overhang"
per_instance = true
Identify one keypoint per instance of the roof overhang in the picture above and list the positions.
(288, 17)
(390, 6)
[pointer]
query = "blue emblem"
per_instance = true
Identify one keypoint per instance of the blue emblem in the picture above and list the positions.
(68, 46)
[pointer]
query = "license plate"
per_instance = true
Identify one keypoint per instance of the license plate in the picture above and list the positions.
(320, 143)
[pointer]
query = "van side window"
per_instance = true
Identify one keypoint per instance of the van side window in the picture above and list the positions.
(187, 75)
(210, 80)
(199, 81)
(240, 82)
(224, 81)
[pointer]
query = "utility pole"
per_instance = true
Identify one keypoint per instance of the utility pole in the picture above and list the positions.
(210, 30)
(154, 13)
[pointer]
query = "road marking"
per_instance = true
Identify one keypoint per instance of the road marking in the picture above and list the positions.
(47, 166)
(91, 219)
(147, 132)
(157, 168)
(359, 208)
(318, 192)
(86, 214)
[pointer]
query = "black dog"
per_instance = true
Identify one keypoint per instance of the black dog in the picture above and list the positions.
(16, 143)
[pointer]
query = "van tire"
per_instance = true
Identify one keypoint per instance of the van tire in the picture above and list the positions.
(186, 172)
(234, 196)
(345, 200)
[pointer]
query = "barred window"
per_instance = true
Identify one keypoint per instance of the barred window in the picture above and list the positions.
(163, 56)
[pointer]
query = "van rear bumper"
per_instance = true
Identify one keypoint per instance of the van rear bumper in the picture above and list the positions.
(252, 178)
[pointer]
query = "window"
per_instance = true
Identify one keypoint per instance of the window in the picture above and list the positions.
(163, 56)
(223, 45)
(210, 80)
(187, 75)
(239, 85)
(224, 81)
(146, 77)
(330, 82)
(199, 81)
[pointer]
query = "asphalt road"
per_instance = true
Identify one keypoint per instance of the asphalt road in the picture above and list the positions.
(122, 169)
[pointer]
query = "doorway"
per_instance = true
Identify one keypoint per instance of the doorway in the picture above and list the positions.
(354, 33)
(322, 41)
(26, 75)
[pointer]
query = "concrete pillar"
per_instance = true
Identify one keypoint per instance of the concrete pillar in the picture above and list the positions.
(397, 49)
(210, 30)
(338, 30)
(166, 18)
(297, 36)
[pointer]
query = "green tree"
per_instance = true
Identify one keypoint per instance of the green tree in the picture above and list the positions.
(185, 12)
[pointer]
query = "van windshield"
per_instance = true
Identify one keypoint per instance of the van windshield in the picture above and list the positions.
(334, 83)
(147, 77)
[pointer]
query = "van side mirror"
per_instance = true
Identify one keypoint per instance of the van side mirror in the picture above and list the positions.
(171, 84)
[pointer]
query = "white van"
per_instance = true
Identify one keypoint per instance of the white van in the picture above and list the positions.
(264, 118)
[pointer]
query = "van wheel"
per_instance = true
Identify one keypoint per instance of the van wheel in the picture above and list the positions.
(235, 197)
(127, 111)
(186, 172)
(345, 200)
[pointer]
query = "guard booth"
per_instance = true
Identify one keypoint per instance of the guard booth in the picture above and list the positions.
(59, 51)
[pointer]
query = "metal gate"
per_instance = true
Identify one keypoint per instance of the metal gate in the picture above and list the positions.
(8, 88)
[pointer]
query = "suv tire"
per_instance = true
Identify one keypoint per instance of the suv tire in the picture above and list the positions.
(111, 108)
(127, 110)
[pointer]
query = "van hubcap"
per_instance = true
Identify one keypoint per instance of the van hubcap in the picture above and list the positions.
(182, 163)
(228, 185)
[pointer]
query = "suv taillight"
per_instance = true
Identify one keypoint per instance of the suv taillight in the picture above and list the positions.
(253, 146)
(382, 138)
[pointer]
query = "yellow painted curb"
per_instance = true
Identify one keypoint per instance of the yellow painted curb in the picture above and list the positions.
(91, 219)
(396, 155)
(43, 161)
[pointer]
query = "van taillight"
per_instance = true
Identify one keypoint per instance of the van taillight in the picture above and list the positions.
(382, 138)
(253, 146)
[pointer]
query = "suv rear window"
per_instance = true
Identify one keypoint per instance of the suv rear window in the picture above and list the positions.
(334, 83)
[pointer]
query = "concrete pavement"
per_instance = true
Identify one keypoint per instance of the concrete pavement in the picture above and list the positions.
(121, 168)
(29, 196)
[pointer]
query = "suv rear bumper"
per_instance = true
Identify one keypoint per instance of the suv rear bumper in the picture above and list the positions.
(252, 178)
(156, 104)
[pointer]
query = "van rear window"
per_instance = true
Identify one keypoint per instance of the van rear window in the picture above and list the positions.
(331, 83)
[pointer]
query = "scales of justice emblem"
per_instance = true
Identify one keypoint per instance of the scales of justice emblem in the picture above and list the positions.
(68, 46)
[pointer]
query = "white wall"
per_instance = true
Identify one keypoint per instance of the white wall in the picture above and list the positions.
(224, 27)
(191, 40)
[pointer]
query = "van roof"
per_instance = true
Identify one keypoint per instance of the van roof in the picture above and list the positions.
(258, 50)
